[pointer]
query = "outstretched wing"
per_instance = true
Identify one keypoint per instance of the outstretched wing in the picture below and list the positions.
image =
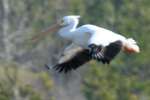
(73, 57)
(112, 50)
(78, 59)
(105, 54)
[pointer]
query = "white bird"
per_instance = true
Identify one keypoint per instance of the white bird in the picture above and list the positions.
(89, 42)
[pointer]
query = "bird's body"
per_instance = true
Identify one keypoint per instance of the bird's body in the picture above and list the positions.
(91, 34)
(92, 42)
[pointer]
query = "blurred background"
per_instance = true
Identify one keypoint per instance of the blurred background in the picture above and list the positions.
(22, 72)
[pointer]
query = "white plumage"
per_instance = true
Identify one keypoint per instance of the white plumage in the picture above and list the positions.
(94, 42)
(88, 34)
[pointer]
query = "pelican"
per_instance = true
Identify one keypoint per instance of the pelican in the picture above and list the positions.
(89, 42)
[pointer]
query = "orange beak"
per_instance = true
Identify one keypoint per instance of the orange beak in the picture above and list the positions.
(52, 29)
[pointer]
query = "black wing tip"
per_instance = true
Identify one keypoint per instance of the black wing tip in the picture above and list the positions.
(61, 69)
(79, 59)
(58, 68)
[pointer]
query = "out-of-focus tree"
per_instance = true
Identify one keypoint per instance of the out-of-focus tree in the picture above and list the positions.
(19, 84)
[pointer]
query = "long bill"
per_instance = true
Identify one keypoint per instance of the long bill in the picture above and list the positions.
(51, 29)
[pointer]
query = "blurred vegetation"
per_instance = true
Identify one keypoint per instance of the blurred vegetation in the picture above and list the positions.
(21, 78)
(20, 84)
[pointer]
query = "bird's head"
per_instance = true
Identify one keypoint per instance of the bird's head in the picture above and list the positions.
(65, 21)
(130, 46)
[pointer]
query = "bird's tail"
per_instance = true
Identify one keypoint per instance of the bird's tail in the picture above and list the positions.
(131, 41)
(131, 45)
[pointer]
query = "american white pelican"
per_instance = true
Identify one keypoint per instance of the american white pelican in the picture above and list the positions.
(89, 42)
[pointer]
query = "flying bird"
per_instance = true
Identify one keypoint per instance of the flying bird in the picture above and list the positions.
(89, 42)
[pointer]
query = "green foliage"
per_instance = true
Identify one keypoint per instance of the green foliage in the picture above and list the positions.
(47, 81)
(109, 83)
(14, 79)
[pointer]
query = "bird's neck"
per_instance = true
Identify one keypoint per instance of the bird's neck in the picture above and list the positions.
(66, 32)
